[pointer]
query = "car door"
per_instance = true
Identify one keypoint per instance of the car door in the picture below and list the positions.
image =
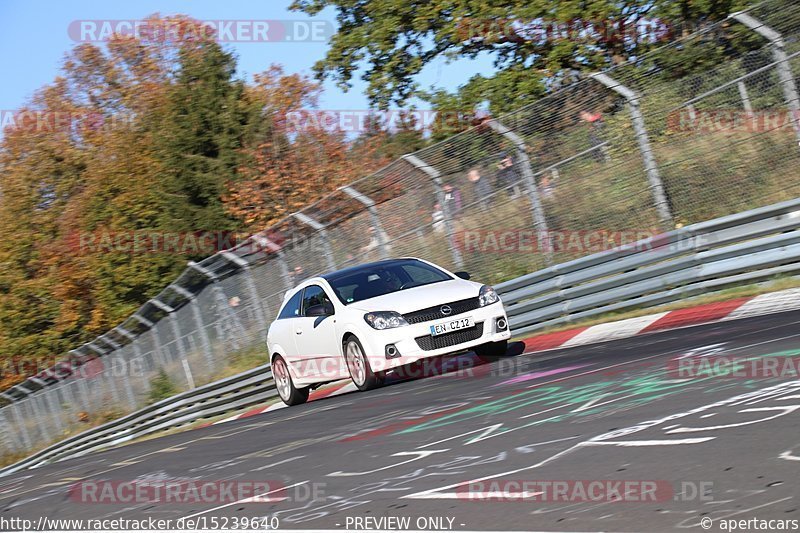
(281, 333)
(318, 350)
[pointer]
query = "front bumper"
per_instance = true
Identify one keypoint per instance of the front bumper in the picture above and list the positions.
(414, 341)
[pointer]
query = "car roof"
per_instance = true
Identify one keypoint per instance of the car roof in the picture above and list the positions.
(364, 266)
(337, 274)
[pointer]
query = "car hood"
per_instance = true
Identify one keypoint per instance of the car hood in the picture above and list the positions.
(417, 298)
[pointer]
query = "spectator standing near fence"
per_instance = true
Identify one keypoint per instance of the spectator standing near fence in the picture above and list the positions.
(507, 175)
(452, 199)
(480, 188)
(594, 122)
(298, 275)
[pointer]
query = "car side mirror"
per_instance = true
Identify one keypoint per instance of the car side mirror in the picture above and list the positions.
(462, 275)
(325, 309)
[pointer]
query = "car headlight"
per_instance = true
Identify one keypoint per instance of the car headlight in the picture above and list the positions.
(487, 296)
(385, 319)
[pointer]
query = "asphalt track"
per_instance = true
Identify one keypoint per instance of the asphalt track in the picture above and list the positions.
(727, 447)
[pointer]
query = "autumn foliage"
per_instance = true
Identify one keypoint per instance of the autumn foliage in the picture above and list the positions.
(159, 136)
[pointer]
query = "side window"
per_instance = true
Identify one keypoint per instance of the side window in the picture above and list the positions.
(314, 295)
(292, 307)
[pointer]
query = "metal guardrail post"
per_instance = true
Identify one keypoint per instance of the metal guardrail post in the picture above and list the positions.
(373, 213)
(783, 66)
(251, 287)
(198, 321)
(539, 219)
(436, 178)
(651, 168)
(320, 228)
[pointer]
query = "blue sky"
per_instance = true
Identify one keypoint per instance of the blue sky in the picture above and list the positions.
(34, 40)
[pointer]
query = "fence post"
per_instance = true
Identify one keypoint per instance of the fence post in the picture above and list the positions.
(151, 327)
(539, 219)
(176, 329)
(251, 287)
(782, 65)
(653, 175)
(748, 107)
(436, 178)
(373, 213)
(198, 321)
(320, 228)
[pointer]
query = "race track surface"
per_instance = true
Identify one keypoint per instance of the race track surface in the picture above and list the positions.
(460, 450)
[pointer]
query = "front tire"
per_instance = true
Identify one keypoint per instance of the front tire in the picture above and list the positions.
(358, 365)
(290, 394)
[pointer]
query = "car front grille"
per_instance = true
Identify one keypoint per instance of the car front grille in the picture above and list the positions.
(428, 342)
(435, 313)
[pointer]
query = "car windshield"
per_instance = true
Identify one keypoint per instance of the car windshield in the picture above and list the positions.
(369, 281)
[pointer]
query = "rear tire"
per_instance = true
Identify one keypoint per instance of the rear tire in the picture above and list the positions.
(492, 349)
(358, 365)
(290, 394)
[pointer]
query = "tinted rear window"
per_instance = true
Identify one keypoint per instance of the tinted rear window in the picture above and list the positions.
(292, 307)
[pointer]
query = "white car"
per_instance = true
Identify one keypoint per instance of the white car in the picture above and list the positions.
(364, 321)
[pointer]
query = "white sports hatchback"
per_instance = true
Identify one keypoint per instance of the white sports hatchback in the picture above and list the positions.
(364, 321)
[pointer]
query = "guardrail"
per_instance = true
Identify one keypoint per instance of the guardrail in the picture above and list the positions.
(746, 247)
(242, 390)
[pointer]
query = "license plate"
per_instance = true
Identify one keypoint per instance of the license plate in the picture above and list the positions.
(451, 325)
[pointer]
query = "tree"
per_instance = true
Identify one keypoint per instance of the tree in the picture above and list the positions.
(152, 134)
(295, 159)
(536, 44)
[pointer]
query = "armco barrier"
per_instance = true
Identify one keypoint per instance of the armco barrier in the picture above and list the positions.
(242, 390)
(746, 247)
